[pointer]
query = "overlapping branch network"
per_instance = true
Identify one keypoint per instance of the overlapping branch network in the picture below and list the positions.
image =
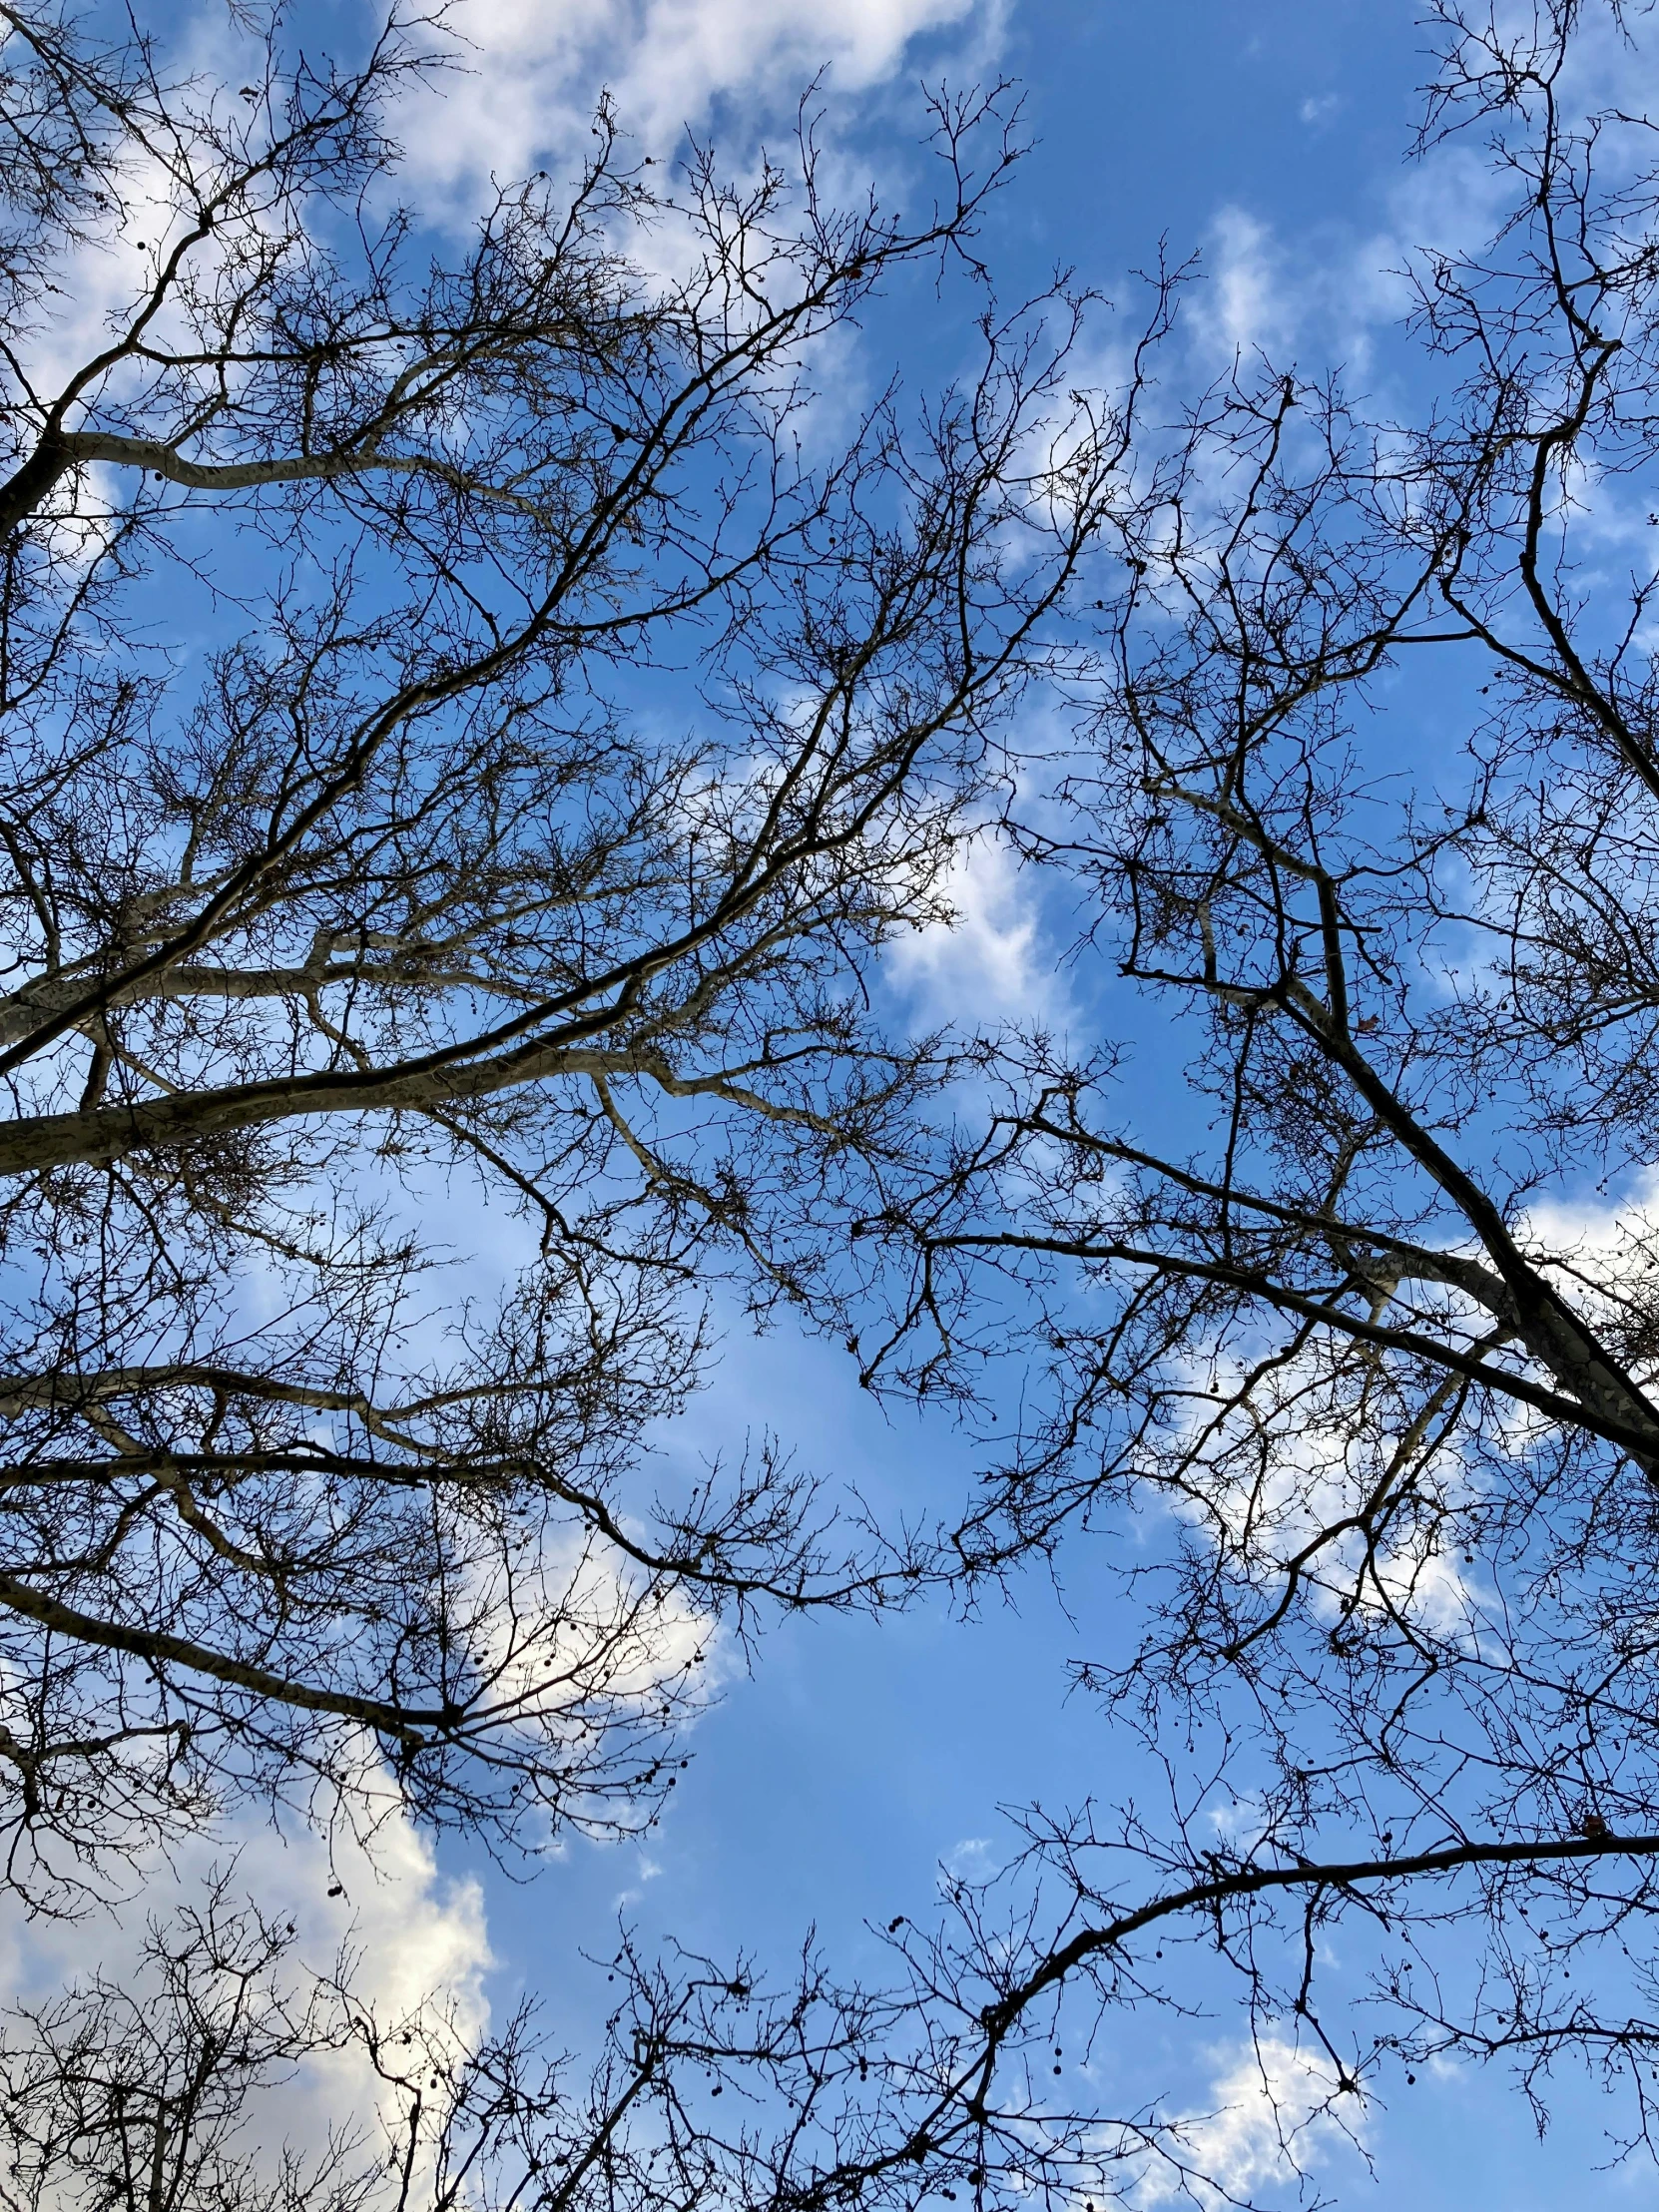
(357, 859)
(1356, 1372)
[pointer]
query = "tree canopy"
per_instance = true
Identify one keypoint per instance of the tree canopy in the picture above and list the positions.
(348, 853)
(391, 862)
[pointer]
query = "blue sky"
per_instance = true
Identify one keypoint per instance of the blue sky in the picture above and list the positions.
(829, 1785)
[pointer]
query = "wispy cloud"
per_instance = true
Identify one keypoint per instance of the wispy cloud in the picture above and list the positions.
(972, 1859)
(532, 71)
(1327, 291)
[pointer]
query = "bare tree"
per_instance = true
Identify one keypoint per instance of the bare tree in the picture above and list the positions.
(408, 885)
(356, 853)
(222, 2072)
(134, 2089)
(1365, 797)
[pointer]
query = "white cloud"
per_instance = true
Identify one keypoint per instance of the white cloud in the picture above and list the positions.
(1290, 1463)
(417, 1930)
(1269, 2123)
(1333, 290)
(1247, 300)
(1602, 1254)
(521, 97)
(535, 69)
(1241, 1822)
(418, 1939)
(101, 284)
(972, 1859)
(1608, 61)
(989, 962)
(1275, 1477)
